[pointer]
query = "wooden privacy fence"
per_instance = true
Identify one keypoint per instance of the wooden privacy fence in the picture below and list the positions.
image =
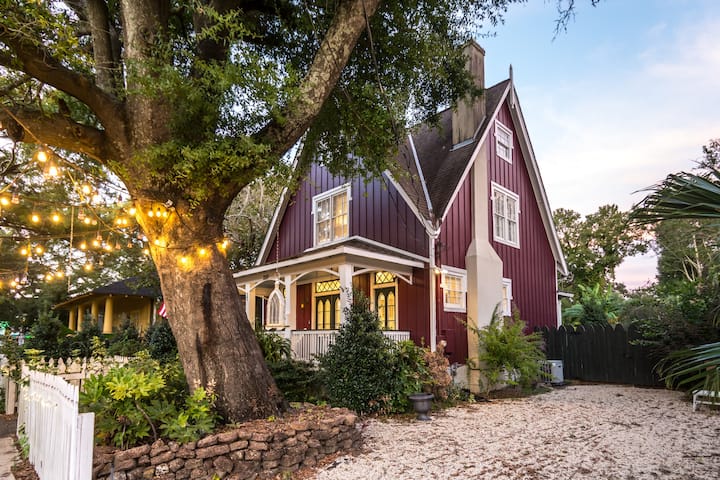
(60, 438)
(601, 353)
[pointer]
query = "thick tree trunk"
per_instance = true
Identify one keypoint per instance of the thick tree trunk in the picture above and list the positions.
(217, 345)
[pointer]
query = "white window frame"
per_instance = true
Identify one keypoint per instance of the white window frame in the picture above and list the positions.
(462, 275)
(341, 190)
(507, 297)
(501, 194)
(500, 148)
(275, 308)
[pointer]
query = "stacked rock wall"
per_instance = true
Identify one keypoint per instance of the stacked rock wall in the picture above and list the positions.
(257, 449)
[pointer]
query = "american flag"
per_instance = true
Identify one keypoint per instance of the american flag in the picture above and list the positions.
(162, 311)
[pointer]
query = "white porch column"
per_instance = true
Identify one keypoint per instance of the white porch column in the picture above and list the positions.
(250, 304)
(289, 297)
(345, 273)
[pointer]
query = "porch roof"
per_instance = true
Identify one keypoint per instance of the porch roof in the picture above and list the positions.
(356, 251)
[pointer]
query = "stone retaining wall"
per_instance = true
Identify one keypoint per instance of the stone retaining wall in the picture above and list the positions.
(256, 449)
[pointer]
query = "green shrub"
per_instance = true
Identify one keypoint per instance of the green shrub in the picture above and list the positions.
(160, 342)
(126, 340)
(144, 400)
(274, 347)
(45, 335)
(355, 369)
(297, 380)
(410, 373)
(81, 344)
(504, 348)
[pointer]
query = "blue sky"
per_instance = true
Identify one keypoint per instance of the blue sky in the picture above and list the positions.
(630, 93)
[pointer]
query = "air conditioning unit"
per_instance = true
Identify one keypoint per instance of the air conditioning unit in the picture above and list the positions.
(553, 371)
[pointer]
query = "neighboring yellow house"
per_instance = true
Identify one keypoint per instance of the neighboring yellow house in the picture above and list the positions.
(109, 305)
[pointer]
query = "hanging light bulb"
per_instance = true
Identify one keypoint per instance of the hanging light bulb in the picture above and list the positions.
(4, 201)
(95, 243)
(85, 189)
(83, 245)
(55, 217)
(59, 274)
(151, 213)
(35, 218)
(49, 277)
(88, 266)
(51, 170)
(202, 252)
(81, 214)
(39, 250)
(41, 156)
(15, 199)
(24, 251)
(132, 211)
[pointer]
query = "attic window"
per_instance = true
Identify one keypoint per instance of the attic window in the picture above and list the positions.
(503, 141)
(331, 214)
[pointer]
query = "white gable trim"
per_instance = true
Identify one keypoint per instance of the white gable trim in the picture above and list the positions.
(538, 187)
(420, 172)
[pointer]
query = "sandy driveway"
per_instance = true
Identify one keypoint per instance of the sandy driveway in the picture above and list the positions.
(584, 431)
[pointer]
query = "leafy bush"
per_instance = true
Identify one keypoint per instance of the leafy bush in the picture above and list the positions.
(44, 336)
(438, 381)
(355, 369)
(81, 344)
(504, 348)
(125, 341)
(297, 380)
(274, 347)
(133, 403)
(160, 342)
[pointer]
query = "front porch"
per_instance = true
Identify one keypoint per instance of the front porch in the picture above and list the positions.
(305, 299)
(308, 344)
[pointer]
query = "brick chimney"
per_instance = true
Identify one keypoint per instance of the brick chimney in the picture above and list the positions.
(467, 115)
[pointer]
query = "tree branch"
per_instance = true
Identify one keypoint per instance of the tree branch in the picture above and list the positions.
(40, 64)
(322, 77)
(105, 65)
(32, 126)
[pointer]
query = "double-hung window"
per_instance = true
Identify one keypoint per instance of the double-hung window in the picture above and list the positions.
(331, 211)
(507, 297)
(503, 141)
(454, 285)
(506, 209)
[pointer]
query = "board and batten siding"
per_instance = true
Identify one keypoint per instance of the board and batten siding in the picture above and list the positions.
(377, 212)
(453, 243)
(531, 267)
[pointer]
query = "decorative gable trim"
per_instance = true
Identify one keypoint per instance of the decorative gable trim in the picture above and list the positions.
(537, 183)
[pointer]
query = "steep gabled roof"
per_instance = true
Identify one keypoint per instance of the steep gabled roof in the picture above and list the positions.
(442, 166)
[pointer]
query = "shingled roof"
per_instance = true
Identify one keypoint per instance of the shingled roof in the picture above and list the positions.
(442, 165)
(128, 287)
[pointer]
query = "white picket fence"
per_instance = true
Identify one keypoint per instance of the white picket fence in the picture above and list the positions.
(60, 438)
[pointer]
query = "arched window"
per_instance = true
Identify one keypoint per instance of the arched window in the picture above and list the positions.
(275, 307)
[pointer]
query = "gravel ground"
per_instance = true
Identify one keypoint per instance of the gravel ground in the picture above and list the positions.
(575, 432)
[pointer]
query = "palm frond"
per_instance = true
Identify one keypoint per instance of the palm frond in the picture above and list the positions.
(681, 195)
(696, 368)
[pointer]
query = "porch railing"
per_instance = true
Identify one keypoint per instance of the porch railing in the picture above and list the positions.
(307, 344)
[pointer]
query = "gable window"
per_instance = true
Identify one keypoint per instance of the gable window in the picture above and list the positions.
(454, 285)
(503, 141)
(331, 214)
(507, 297)
(505, 216)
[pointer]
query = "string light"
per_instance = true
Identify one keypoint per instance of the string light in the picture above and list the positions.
(56, 217)
(4, 201)
(41, 156)
(39, 250)
(35, 218)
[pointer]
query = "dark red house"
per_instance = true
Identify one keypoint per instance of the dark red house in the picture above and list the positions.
(463, 227)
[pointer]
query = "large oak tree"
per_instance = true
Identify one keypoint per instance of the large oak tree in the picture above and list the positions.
(188, 101)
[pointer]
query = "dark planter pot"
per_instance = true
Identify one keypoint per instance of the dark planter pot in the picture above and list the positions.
(421, 403)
